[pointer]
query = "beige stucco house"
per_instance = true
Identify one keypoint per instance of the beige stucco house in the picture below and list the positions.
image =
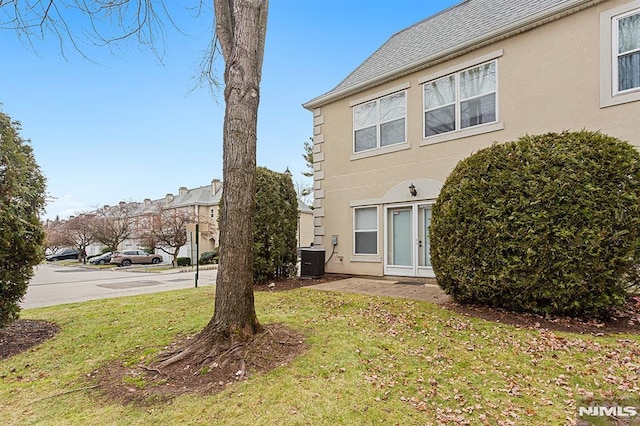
(482, 71)
(202, 204)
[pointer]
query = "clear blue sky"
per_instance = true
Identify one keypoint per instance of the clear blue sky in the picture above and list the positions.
(123, 126)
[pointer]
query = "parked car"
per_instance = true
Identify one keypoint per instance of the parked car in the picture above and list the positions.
(63, 254)
(128, 257)
(101, 259)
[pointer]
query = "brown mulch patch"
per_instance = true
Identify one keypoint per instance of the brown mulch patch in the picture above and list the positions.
(20, 335)
(293, 283)
(276, 346)
(626, 321)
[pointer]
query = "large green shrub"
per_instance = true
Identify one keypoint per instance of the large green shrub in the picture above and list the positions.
(548, 224)
(183, 261)
(276, 224)
(22, 235)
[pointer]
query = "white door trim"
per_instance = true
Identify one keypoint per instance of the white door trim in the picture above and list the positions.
(398, 270)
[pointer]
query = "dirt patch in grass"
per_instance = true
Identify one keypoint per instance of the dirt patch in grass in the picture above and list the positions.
(274, 347)
(298, 282)
(23, 334)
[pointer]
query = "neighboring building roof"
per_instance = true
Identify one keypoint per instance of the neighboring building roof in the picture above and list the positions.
(303, 208)
(458, 29)
(202, 196)
(148, 206)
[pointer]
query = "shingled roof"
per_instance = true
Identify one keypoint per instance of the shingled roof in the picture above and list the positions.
(456, 30)
(202, 196)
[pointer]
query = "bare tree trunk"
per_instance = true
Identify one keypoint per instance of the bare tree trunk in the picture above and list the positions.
(174, 256)
(241, 31)
(241, 27)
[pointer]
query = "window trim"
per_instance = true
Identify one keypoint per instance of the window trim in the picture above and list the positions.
(459, 131)
(377, 231)
(609, 94)
(379, 149)
(615, 54)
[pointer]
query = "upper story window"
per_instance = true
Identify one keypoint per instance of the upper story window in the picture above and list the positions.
(627, 51)
(380, 123)
(620, 54)
(460, 100)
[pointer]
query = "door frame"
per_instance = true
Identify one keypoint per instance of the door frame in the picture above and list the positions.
(415, 270)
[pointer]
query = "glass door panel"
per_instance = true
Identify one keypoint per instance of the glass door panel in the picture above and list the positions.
(424, 247)
(400, 237)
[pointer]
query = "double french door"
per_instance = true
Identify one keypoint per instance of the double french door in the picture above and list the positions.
(407, 249)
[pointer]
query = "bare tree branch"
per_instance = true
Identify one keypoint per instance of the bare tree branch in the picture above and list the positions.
(225, 26)
(46, 13)
(166, 228)
(100, 22)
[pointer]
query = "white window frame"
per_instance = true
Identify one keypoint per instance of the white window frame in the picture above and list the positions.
(609, 93)
(378, 149)
(376, 230)
(471, 130)
(458, 100)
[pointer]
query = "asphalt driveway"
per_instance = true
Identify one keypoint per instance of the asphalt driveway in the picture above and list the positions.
(54, 284)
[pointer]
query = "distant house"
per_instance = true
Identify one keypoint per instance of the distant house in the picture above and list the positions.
(482, 71)
(202, 205)
(305, 225)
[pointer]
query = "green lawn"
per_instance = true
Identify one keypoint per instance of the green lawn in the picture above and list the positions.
(370, 361)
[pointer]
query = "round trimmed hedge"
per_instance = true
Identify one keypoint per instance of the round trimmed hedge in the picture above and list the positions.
(548, 224)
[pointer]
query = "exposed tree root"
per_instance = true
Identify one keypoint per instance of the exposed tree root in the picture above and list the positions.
(65, 393)
(202, 352)
(198, 365)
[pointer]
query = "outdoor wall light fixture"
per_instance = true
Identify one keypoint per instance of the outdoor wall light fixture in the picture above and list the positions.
(412, 190)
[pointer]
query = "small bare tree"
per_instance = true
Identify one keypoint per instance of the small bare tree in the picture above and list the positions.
(111, 226)
(166, 229)
(56, 236)
(79, 232)
(304, 192)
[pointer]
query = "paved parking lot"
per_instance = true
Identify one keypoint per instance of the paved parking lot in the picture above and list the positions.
(53, 284)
